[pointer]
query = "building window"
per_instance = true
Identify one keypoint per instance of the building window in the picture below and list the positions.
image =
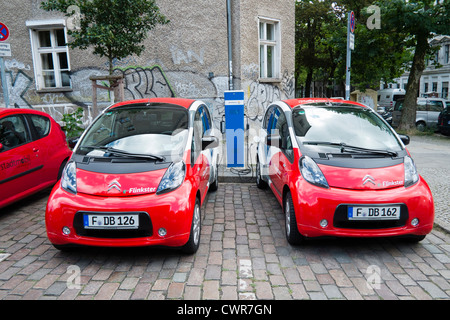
(50, 57)
(444, 90)
(447, 54)
(269, 49)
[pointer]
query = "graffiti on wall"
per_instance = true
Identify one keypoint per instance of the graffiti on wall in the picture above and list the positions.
(18, 84)
(145, 82)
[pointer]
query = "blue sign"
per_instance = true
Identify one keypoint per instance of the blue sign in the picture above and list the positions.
(234, 123)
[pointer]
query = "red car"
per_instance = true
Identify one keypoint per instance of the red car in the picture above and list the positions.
(137, 177)
(338, 169)
(33, 152)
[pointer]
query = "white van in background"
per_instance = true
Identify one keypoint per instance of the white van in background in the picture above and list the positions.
(388, 97)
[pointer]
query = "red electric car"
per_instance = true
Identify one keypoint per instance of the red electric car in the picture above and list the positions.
(33, 152)
(138, 177)
(338, 169)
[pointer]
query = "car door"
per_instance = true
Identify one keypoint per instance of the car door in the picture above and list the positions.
(20, 164)
(210, 154)
(43, 145)
(199, 160)
(434, 108)
(277, 163)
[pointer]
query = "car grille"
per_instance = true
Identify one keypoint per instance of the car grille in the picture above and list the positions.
(341, 220)
(145, 227)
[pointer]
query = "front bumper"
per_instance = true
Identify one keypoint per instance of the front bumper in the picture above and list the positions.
(319, 204)
(172, 211)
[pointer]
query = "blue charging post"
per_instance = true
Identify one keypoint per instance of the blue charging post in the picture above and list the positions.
(234, 123)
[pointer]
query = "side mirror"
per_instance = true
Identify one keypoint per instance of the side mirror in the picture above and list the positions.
(209, 142)
(273, 140)
(405, 139)
(1, 147)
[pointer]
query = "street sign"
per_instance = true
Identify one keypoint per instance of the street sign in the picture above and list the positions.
(5, 50)
(4, 32)
(352, 41)
(352, 22)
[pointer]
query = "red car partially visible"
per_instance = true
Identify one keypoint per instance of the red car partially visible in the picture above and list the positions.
(33, 153)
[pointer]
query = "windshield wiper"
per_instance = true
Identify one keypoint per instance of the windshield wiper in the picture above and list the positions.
(126, 153)
(345, 147)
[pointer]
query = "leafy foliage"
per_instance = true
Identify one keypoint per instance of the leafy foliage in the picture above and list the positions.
(73, 123)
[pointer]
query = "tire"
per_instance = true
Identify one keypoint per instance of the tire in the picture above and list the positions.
(260, 183)
(193, 243)
(292, 235)
(421, 126)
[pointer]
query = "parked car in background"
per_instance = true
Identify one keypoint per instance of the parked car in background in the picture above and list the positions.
(428, 110)
(33, 153)
(138, 177)
(388, 97)
(338, 169)
(444, 120)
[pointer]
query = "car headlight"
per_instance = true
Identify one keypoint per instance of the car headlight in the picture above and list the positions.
(312, 173)
(69, 177)
(173, 178)
(411, 175)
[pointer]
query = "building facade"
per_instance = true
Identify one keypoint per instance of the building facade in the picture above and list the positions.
(186, 58)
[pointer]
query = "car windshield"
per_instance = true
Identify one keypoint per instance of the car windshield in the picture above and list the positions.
(148, 131)
(343, 126)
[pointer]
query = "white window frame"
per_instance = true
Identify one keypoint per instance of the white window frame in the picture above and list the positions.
(48, 25)
(264, 44)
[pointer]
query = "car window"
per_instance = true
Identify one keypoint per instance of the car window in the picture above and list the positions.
(157, 129)
(421, 105)
(436, 106)
(206, 120)
(351, 125)
(13, 132)
(198, 132)
(41, 124)
(398, 105)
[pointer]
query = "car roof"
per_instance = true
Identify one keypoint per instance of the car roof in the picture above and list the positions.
(186, 103)
(303, 101)
(10, 111)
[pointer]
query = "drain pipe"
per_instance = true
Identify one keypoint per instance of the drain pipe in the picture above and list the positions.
(230, 48)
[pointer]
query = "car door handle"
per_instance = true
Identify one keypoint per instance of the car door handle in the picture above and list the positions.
(35, 149)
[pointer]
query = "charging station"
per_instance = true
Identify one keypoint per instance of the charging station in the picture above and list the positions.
(234, 124)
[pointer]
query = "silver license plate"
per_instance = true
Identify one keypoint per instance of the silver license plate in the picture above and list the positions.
(119, 221)
(373, 212)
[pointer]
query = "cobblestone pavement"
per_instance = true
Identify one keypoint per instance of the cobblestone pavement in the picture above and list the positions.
(243, 256)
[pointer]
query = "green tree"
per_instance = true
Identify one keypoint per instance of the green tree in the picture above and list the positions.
(419, 21)
(321, 45)
(114, 28)
(313, 54)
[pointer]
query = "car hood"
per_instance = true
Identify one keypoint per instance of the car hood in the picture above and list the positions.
(118, 185)
(364, 179)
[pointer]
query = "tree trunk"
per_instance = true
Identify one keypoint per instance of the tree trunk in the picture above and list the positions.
(308, 82)
(408, 119)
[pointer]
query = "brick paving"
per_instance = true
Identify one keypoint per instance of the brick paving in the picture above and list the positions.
(243, 256)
